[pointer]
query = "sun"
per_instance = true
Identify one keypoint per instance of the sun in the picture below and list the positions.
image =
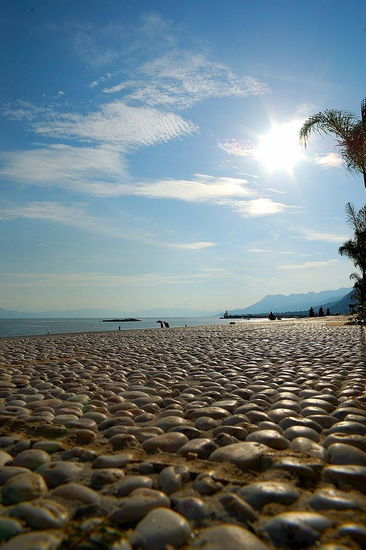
(279, 149)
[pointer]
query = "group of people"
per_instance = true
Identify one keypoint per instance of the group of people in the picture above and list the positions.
(163, 324)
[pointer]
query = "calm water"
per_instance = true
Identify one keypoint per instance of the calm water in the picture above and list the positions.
(26, 327)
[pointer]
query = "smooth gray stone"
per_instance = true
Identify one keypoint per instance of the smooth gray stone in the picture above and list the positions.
(355, 440)
(296, 421)
(20, 446)
(229, 404)
(42, 514)
(31, 459)
(227, 537)
(77, 491)
(170, 422)
(247, 455)
(340, 453)
(112, 461)
(301, 431)
(48, 446)
(307, 446)
(317, 402)
(236, 431)
(171, 478)
(140, 502)
(123, 441)
(286, 404)
(56, 473)
(271, 438)
(355, 531)
(7, 440)
(131, 483)
(23, 487)
(5, 458)
(9, 528)
(341, 412)
(188, 431)
(347, 427)
(202, 447)
(11, 471)
(162, 527)
(346, 476)
(268, 425)
(296, 528)
(205, 423)
(234, 420)
(212, 412)
(105, 476)
(38, 540)
(257, 416)
(323, 420)
(168, 442)
(276, 415)
(238, 508)
(206, 485)
(263, 492)
(328, 498)
(192, 508)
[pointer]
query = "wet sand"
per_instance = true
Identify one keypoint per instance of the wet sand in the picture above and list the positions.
(239, 436)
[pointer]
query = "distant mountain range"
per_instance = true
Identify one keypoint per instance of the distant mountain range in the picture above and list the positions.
(336, 300)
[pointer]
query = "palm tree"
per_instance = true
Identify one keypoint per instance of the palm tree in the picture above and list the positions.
(355, 249)
(350, 134)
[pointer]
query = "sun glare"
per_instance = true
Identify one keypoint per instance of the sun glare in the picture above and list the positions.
(280, 149)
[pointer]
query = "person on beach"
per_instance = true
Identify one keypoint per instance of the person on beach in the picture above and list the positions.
(161, 323)
(271, 316)
(166, 324)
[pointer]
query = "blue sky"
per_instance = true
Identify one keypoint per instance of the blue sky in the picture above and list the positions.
(149, 153)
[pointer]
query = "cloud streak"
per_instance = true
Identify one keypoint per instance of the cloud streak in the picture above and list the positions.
(115, 123)
(104, 280)
(182, 78)
(75, 216)
(308, 265)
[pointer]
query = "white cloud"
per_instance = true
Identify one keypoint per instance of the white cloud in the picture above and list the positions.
(309, 235)
(201, 188)
(260, 207)
(183, 78)
(237, 149)
(330, 160)
(93, 170)
(308, 265)
(114, 124)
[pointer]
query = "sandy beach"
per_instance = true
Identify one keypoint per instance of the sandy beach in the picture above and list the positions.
(244, 436)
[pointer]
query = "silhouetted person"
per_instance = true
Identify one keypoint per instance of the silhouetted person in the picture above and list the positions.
(311, 312)
(271, 316)
(166, 324)
(161, 323)
(321, 312)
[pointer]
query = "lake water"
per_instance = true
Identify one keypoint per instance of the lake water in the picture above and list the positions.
(26, 327)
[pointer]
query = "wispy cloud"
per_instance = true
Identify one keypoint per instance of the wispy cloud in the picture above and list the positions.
(308, 265)
(76, 216)
(310, 235)
(114, 124)
(330, 160)
(260, 207)
(100, 279)
(201, 188)
(237, 149)
(91, 170)
(183, 78)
